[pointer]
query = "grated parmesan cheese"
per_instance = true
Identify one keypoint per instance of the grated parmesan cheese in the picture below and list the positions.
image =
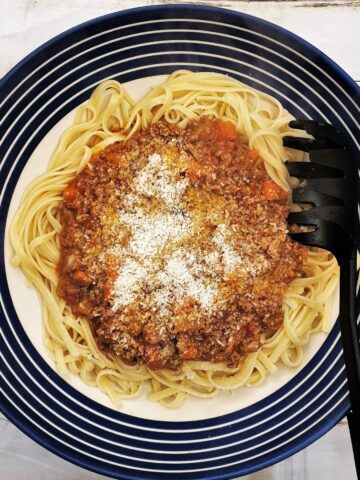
(129, 281)
(155, 180)
(152, 233)
(230, 258)
(155, 253)
(181, 278)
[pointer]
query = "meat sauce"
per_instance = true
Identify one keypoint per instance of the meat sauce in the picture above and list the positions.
(174, 246)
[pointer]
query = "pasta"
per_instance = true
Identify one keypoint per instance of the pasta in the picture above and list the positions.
(111, 115)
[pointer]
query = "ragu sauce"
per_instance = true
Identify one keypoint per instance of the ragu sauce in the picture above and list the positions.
(174, 246)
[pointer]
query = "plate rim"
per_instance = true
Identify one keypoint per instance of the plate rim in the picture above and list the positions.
(174, 6)
(135, 11)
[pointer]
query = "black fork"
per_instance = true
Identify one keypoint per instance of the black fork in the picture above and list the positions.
(331, 189)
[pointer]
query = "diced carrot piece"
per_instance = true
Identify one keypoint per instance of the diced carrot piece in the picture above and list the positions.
(81, 278)
(70, 193)
(226, 131)
(189, 353)
(114, 157)
(252, 155)
(154, 358)
(187, 349)
(271, 191)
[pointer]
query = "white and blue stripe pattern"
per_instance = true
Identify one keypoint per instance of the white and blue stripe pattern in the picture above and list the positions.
(40, 91)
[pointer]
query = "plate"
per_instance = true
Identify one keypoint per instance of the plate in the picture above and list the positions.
(231, 435)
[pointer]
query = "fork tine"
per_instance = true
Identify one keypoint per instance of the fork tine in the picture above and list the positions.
(309, 144)
(335, 158)
(341, 216)
(312, 170)
(300, 218)
(320, 130)
(327, 235)
(313, 239)
(336, 186)
(299, 143)
(318, 199)
(308, 238)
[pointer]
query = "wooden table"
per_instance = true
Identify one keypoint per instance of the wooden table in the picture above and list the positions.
(334, 27)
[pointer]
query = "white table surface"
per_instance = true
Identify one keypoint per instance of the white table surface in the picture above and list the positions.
(334, 27)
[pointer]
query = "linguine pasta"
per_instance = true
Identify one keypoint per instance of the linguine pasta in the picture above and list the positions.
(111, 115)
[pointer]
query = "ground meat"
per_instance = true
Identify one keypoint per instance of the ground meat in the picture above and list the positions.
(174, 246)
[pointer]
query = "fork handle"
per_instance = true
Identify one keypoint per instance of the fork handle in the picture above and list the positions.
(353, 419)
(351, 348)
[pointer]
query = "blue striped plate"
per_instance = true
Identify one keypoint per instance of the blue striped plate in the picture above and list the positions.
(215, 442)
